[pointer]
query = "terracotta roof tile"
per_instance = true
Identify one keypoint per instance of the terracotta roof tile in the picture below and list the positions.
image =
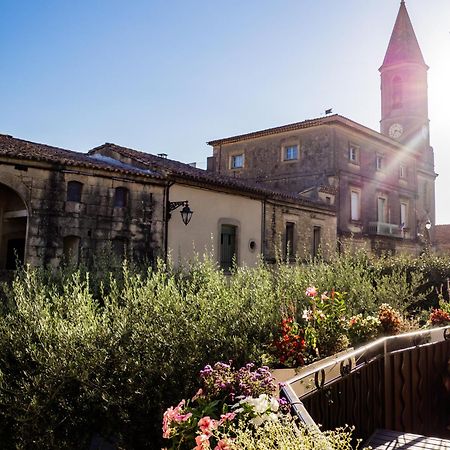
(178, 169)
(334, 118)
(31, 151)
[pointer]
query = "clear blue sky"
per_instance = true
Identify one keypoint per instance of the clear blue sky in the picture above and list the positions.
(167, 76)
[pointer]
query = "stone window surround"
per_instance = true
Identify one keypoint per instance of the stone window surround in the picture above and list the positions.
(74, 191)
(354, 154)
(355, 218)
(235, 223)
(121, 197)
(233, 158)
(404, 220)
(403, 172)
(380, 162)
(286, 146)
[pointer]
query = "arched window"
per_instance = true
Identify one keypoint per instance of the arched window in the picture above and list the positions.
(74, 189)
(121, 197)
(397, 94)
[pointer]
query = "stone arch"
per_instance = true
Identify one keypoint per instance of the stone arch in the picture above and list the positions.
(13, 227)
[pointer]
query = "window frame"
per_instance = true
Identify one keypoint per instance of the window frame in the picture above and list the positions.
(121, 202)
(74, 191)
(353, 154)
(355, 217)
(316, 240)
(289, 244)
(286, 150)
(234, 158)
(379, 162)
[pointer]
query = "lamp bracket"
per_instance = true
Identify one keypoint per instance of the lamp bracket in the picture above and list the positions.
(174, 205)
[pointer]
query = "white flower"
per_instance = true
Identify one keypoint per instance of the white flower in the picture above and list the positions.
(274, 405)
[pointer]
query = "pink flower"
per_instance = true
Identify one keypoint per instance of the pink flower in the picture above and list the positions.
(173, 415)
(202, 442)
(227, 417)
(223, 444)
(206, 425)
(324, 297)
(311, 291)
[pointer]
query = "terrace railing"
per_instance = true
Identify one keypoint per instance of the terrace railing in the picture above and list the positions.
(393, 383)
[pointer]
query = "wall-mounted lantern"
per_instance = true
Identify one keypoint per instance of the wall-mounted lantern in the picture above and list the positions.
(186, 212)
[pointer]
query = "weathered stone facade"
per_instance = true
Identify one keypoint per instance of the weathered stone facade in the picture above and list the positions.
(58, 205)
(42, 222)
(384, 182)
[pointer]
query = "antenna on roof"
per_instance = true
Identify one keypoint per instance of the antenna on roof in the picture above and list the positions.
(328, 111)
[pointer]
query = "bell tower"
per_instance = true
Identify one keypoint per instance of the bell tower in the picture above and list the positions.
(404, 90)
(404, 117)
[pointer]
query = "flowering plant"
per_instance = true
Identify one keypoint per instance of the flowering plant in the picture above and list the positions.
(320, 331)
(227, 396)
(363, 329)
(439, 318)
(390, 319)
(290, 344)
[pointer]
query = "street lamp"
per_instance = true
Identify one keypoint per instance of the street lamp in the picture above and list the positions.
(186, 212)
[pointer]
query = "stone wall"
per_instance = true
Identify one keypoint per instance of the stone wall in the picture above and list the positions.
(57, 225)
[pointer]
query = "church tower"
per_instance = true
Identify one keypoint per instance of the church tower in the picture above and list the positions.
(404, 110)
(404, 96)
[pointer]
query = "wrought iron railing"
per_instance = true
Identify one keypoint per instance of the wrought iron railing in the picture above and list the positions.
(384, 229)
(394, 382)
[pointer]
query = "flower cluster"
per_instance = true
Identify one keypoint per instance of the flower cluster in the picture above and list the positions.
(320, 331)
(362, 329)
(439, 318)
(290, 344)
(227, 396)
(225, 383)
(390, 319)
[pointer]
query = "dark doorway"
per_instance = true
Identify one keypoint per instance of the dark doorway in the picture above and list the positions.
(227, 246)
(15, 253)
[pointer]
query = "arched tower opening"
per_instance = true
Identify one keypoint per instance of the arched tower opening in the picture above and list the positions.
(13, 228)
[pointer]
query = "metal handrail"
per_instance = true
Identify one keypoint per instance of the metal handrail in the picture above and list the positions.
(332, 370)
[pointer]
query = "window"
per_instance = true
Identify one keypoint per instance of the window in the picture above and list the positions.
(355, 205)
(397, 93)
(353, 154)
(289, 240)
(403, 214)
(227, 246)
(74, 189)
(382, 209)
(121, 197)
(380, 162)
(316, 241)
(402, 171)
(237, 161)
(290, 152)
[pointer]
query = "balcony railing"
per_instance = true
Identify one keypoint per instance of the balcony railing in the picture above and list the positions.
(385, 229)
(393, 383)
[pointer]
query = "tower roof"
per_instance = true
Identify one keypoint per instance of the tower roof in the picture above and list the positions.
(403, 46)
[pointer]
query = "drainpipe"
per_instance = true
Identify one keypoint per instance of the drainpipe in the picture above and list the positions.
(166, 217)
(263, 229)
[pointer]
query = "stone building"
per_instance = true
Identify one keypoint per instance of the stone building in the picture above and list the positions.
(384, 181)
(57, 205)
(234, 217)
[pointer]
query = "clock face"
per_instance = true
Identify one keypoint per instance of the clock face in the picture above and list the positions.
(395, 130)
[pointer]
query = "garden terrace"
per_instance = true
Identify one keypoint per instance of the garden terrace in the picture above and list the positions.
(395, 383)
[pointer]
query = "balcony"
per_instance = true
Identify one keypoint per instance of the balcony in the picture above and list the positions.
(384, 229)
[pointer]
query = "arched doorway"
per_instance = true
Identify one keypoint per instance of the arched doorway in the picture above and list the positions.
(13, 228)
